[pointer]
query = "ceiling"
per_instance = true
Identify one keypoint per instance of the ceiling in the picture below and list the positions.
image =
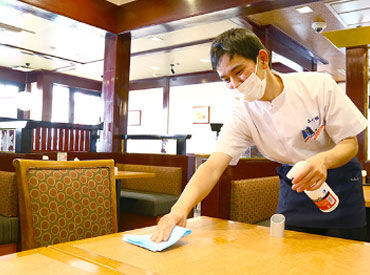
(75, 48)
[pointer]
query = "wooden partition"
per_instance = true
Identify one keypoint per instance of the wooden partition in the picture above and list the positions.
(217, 203)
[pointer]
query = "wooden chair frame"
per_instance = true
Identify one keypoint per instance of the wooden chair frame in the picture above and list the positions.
(25, 215)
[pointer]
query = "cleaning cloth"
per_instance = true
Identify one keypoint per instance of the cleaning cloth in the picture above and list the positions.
(145, 242)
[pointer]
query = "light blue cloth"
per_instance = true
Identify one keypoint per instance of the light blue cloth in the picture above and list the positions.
(145, 242)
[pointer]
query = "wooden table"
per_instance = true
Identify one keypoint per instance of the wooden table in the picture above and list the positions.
(218, 246)
(367, 196)
(46, 260)
(132, 175)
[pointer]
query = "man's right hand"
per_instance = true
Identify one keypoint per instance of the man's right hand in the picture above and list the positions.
(165, 226)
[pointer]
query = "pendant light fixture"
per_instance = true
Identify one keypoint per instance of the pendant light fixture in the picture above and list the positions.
(24, 98)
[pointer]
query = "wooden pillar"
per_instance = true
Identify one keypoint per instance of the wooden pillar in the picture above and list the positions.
(115, 91)
(356, 87)
(45, 84)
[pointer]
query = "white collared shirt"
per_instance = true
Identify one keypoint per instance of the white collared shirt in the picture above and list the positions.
(310, 116)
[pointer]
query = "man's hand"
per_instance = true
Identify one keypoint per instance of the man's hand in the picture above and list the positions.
(165, 226)
(312, 176)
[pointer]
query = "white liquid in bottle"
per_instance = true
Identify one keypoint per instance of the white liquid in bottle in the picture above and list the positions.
(324, 197)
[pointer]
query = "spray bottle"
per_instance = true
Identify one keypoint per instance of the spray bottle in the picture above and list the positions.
(324, 197)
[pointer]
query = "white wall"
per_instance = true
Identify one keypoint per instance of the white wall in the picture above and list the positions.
(181, 102)
(150, 102)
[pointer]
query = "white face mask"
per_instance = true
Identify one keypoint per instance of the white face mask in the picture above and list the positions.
(253, 88)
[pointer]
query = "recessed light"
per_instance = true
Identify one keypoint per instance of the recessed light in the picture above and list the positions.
(304, 9)
(204, 60)
(156, 38)
(155, 67)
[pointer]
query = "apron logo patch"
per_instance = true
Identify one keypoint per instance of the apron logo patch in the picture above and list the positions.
(355, 179)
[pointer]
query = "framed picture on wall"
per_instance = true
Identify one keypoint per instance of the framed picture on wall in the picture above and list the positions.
(201, 114)
(134, 118)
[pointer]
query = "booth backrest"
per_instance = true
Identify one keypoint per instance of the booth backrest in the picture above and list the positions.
(8, 194)
(167, 180)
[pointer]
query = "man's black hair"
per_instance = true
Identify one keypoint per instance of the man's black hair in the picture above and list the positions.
(238, 41)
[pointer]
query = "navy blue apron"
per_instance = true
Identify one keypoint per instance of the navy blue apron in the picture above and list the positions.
(345, 181)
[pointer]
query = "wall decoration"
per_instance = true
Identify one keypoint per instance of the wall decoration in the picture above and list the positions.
(134, 118)
(201, 114)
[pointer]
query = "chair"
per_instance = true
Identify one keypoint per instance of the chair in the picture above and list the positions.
(62, 201)
(254, 200)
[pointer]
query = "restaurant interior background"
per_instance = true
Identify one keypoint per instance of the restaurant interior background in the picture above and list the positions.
(34, 40)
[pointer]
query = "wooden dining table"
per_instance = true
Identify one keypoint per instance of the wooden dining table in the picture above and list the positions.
(218, 246)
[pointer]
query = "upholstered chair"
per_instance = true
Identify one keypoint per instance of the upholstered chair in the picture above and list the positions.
(254, 200)
(62, 201)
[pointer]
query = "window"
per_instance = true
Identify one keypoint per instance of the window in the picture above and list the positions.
(8, 106)
(36, 109)
(88, 108)
(60, 110)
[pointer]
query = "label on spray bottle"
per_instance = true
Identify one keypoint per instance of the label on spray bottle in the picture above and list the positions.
(324, 197)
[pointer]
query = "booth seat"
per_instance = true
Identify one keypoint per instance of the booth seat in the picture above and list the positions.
(254, 200)
(149, 197)
(9, 221)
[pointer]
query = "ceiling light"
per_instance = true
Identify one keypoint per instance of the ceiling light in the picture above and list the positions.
(204, 60)
(156, 38)
(154, 67)
(305, 9)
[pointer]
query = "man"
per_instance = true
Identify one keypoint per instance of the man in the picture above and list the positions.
(289, 117)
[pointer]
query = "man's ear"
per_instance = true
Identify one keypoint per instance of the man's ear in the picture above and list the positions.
(263, 58)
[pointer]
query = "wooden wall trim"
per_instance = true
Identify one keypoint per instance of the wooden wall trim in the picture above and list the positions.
(98, 13)
(73, 81)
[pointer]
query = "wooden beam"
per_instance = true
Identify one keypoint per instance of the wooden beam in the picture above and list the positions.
(148, 17)
(98, 13)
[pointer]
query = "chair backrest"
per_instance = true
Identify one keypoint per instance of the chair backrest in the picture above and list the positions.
(63, 201)
(254, 200)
